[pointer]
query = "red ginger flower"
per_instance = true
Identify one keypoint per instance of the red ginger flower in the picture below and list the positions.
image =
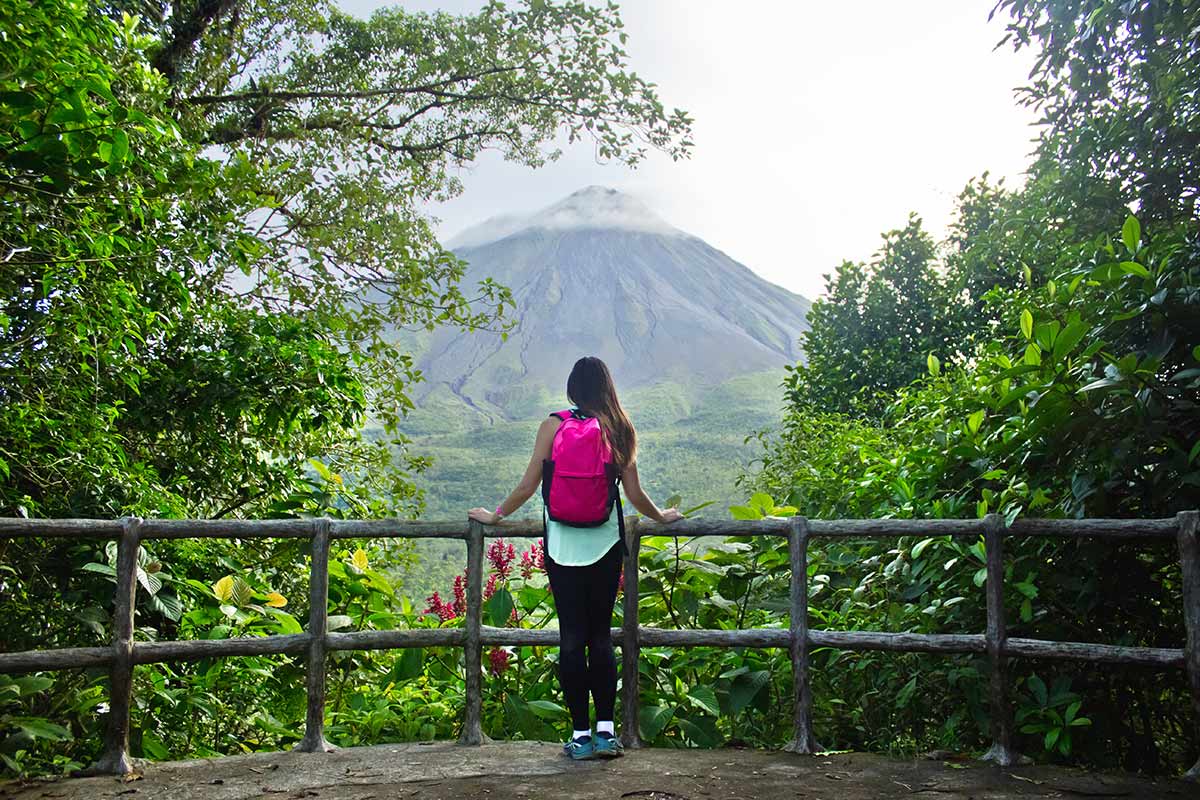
(502, 556)
(498, 660)
(532, 559)
(434, 601)
(460, 595)
(444, 610)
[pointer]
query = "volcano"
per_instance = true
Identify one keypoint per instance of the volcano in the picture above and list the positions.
(599, 273)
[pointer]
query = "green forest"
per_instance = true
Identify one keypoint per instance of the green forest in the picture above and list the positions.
(211, 224)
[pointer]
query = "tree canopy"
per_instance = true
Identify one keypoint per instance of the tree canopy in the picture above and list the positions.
(1070, 388)
(213, 226)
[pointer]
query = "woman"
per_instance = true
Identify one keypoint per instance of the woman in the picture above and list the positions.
(584, 563)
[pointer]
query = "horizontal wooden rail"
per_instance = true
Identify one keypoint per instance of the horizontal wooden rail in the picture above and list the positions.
(1164, 529)
(168, 652)
(124, 653)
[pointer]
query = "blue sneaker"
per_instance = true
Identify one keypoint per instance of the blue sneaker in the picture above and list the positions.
(607, 746)
(581, 749)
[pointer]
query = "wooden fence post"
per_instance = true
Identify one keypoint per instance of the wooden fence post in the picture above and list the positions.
(473, 656)
(1001, 752)
(631, 647)
(803, 741)
(115, 759)
(318, 625)
(1189, 556)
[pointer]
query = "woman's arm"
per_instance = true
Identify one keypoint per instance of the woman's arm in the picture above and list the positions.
(639, 500)
(529, 481)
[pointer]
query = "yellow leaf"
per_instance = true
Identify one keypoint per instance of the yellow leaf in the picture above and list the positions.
(223, 589)
(276, 600)
(359, 560)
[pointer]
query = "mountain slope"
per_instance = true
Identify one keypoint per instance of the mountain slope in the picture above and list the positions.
(600, 274)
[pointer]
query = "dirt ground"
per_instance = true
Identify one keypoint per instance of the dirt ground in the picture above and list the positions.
(533, 770)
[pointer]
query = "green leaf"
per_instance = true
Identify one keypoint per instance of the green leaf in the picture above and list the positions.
(1027, 323)
(32, 684)
(920, 546)
(530, 597)
(21, 102)
(149, 581)
(153, 747)
(1131, 234)
(763, 502)
(120, 146)
(40, 728)
(339, 621)
(1103, 383)
(499, 608)
(547, 709)
(653, 719)
(744, 512)
(694, 509)
(167, 605)
(321, 469)
(974, 421)
(698, 732)
(934, 365)
(705, 699)
(242, 594)
(1038, 687)
(1019, 393)
(746, 687)
(408, 666)
(1134, 268)
(287, 623)
(1067, 340)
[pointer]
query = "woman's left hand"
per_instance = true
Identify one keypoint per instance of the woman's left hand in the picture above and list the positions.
(484, 516)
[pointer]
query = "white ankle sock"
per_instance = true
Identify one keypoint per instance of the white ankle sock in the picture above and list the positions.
(606, 727)
(577, 734)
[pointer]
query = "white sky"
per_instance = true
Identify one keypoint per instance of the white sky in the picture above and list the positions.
(817, 125)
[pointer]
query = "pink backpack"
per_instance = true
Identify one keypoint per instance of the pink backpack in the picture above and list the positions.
(579, 480)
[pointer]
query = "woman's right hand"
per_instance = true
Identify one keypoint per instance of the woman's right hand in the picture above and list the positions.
(670, 515)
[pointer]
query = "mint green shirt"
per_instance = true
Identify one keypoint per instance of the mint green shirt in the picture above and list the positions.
(578, 547)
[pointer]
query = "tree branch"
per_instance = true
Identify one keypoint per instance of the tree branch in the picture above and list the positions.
(332, 94)
(186, 32)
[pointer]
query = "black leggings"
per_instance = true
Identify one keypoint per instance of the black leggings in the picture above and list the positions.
(584, 597)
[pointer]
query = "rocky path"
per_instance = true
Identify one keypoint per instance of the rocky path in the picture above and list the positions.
(532, 770)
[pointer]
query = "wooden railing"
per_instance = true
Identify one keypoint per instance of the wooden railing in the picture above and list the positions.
(124, 653)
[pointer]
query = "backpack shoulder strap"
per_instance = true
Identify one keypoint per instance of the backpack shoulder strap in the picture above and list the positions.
(564, 415)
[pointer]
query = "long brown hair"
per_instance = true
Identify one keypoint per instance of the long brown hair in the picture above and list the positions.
(590, 387)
